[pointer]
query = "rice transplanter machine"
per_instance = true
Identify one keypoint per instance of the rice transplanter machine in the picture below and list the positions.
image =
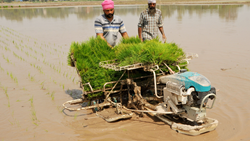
(179, 99)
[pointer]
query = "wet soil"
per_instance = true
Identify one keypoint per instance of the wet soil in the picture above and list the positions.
(35, 79)
(128, 2)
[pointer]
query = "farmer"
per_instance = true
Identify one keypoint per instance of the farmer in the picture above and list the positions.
(149, 22)
(108, 25)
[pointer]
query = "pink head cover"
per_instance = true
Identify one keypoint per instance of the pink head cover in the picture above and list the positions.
(107, 4)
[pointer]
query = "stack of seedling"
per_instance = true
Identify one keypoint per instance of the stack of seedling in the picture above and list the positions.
(87, 56)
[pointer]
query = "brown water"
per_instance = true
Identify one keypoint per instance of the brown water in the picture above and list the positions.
(35, 79)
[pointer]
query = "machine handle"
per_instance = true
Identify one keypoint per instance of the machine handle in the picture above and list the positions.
(206, 98)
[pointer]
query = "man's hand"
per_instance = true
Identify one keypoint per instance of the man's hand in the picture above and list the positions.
(163, 34)
(164, 38)
(101, 35)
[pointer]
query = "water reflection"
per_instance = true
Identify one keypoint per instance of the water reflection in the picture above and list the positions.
(227, 12)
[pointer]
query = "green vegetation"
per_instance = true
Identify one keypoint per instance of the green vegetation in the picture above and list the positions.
(33, 112)
(132, 51)
(88, 54)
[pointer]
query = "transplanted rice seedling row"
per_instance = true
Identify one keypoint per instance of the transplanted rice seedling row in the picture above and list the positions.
(6, 94)
(34, 118)
(130, 51)
(28, 47)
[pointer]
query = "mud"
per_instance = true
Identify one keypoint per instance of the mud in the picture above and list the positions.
(35, 79)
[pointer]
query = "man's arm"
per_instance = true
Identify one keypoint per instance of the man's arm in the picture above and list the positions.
(99, 30)
(140, 25)
(101, 35)
(163, 34)
(139, 33)
(160, 25)
(125, 35)
(122, 30)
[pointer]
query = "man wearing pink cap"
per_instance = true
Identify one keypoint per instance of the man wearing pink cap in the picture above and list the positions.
(149, 23)
(108, 25)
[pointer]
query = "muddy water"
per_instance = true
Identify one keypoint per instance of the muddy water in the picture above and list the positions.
(35, 79)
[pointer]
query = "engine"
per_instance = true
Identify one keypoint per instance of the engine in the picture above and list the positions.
(187, 94)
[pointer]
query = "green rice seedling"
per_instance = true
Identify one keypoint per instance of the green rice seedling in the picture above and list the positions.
(27, 54)
(42, 86)
(33, 112)
(16, 81)
(75, 116)
(130, 51)
(7, 49)
(7, 73)
(6, 92)
(11, 6)
(7, 59)
(11, 76)
(31, 101)
(63, 86)
(32, 78)
(17, 122)
(18, 100)
(52, 95)
(19, 6)
(11, 122)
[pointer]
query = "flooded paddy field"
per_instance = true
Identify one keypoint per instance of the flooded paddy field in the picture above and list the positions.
(35, 79)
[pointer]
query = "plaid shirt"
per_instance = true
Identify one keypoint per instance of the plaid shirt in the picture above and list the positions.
(150, 24)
